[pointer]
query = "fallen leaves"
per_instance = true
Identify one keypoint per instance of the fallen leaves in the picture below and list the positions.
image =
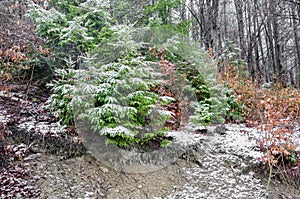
(14, 183)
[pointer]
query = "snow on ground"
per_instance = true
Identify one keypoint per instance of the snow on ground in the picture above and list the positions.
(225, 172)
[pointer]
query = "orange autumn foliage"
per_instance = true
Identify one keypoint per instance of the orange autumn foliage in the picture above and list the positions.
(275, 111)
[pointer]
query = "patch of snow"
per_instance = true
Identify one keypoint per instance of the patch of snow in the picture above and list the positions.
(226, 167)
(54, 129)
(185, 138)
(4, 118)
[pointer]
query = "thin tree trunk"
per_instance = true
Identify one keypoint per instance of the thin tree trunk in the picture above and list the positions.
(269, 34)
(240, 21)
(296, 38)
(255, 38)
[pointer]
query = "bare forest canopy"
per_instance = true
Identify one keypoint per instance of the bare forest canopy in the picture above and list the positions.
(262, 33)
(265, 31)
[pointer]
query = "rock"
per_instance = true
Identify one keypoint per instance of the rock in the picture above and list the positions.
(32, 157)
(104, 170)
(140, 186)
(35, 149)
(192, 156)
(201, 131)
(221, 130)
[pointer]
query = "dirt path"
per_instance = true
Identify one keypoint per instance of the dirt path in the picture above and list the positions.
(43, 164)
(224, 170)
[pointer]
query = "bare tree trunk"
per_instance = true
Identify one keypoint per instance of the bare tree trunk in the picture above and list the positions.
(215, 15)
(250, 40)
(271, 47)
(257, 30)
(296, 38)
(241, 27)
(278, 64)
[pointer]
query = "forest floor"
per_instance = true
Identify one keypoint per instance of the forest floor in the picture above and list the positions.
(43, 163)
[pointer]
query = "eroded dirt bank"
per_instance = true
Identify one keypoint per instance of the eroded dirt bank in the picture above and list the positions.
(222, 170)
(44, 164)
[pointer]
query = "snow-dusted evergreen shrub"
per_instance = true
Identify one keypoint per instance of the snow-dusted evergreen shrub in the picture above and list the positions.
(114, 96)
(200, 69)
(112, 90)
(122, 100)
(71, 28)
(63, 88)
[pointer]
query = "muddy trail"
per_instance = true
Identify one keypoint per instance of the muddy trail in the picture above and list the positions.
(42, 162)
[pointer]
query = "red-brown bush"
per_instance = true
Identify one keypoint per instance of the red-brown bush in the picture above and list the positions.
(275, 111)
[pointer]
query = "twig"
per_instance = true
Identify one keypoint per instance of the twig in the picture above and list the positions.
(270, 166)
(29, 83)
(269, 178)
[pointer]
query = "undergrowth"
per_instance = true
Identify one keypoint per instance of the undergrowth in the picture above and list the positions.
(22, 56)
(274, 110)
